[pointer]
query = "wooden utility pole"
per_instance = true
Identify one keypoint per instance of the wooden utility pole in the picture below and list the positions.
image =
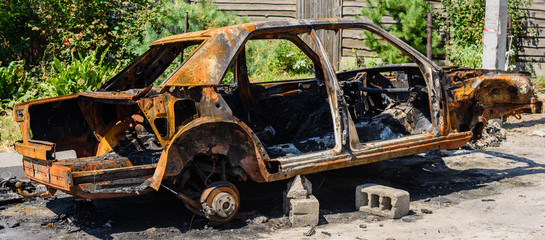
(495, 34)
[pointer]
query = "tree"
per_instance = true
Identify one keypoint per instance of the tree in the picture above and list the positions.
(409, 25)
(15, 34)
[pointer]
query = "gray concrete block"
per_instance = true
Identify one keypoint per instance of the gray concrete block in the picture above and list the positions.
(304, 211)
(381, 200)
(299, 187)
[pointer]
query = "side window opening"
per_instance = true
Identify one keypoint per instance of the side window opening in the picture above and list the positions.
(270, 60)
(281, 96)
(185, 52)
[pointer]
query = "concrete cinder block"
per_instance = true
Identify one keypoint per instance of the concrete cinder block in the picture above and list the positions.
(381, 200)
(299, 187)
(304, 211)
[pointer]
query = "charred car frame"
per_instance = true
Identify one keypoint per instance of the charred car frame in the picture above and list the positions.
(196, 136)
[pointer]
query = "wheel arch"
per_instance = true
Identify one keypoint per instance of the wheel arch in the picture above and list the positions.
(206, 136)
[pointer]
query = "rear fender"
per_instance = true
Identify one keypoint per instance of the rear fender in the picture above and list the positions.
(209, 136)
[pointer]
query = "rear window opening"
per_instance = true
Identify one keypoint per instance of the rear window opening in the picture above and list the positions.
(153, 67)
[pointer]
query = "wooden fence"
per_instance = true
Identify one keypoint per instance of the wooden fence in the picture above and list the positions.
(531, 54)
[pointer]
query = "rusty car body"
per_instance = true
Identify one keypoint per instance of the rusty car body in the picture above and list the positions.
(196, 136)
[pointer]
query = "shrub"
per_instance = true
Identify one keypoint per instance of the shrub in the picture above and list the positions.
(44, 29)
(9, 132)
(80, 74)
(15, 33)
(12, 78)
(270, 60)
(410, 26)
(466, 56)
(466, 24)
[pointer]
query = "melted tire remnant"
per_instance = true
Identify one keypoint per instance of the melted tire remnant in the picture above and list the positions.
(492, 136)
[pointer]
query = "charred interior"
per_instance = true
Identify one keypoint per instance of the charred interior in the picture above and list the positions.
(387, 102)
(85, 125)
(290, 117)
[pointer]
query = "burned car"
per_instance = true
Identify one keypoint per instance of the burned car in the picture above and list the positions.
(213, 123)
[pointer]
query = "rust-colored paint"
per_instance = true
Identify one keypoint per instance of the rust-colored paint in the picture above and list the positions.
(485, 95)
(128, 130)
(36, 150)
(55, 176)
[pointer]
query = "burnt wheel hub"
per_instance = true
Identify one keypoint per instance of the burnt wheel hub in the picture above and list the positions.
(220, 202)
(224, 204)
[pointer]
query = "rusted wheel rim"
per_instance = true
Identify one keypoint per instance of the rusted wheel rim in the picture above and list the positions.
(220, 202)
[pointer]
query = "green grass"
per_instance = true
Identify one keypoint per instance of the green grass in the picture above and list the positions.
(9, 131)
(274, 76)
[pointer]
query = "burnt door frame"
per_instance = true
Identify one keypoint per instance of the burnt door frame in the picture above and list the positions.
(348, 135)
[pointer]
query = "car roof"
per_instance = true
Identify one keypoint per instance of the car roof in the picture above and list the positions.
(210, 61)
(265, 25)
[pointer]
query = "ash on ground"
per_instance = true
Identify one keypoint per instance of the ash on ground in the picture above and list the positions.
(492, 136)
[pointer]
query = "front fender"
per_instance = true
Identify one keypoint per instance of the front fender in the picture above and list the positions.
(486, 94)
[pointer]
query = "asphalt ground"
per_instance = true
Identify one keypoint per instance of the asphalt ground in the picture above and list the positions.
(11, 164)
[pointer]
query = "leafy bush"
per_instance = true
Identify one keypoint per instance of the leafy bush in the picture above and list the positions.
(410, 26)
(82, 26)
(11, 79)
(466, 56)
(44, 29)
(15, 33)
(9, 132)
(273, 60)
(80, 74)
(466, 24)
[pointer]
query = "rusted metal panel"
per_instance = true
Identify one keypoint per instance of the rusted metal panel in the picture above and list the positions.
(36, 149)
(112, 174)
(60, 176)
(481, 95)
(51, 175)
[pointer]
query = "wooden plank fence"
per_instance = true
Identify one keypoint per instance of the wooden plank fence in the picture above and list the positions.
(531, 54)
(531, 50)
